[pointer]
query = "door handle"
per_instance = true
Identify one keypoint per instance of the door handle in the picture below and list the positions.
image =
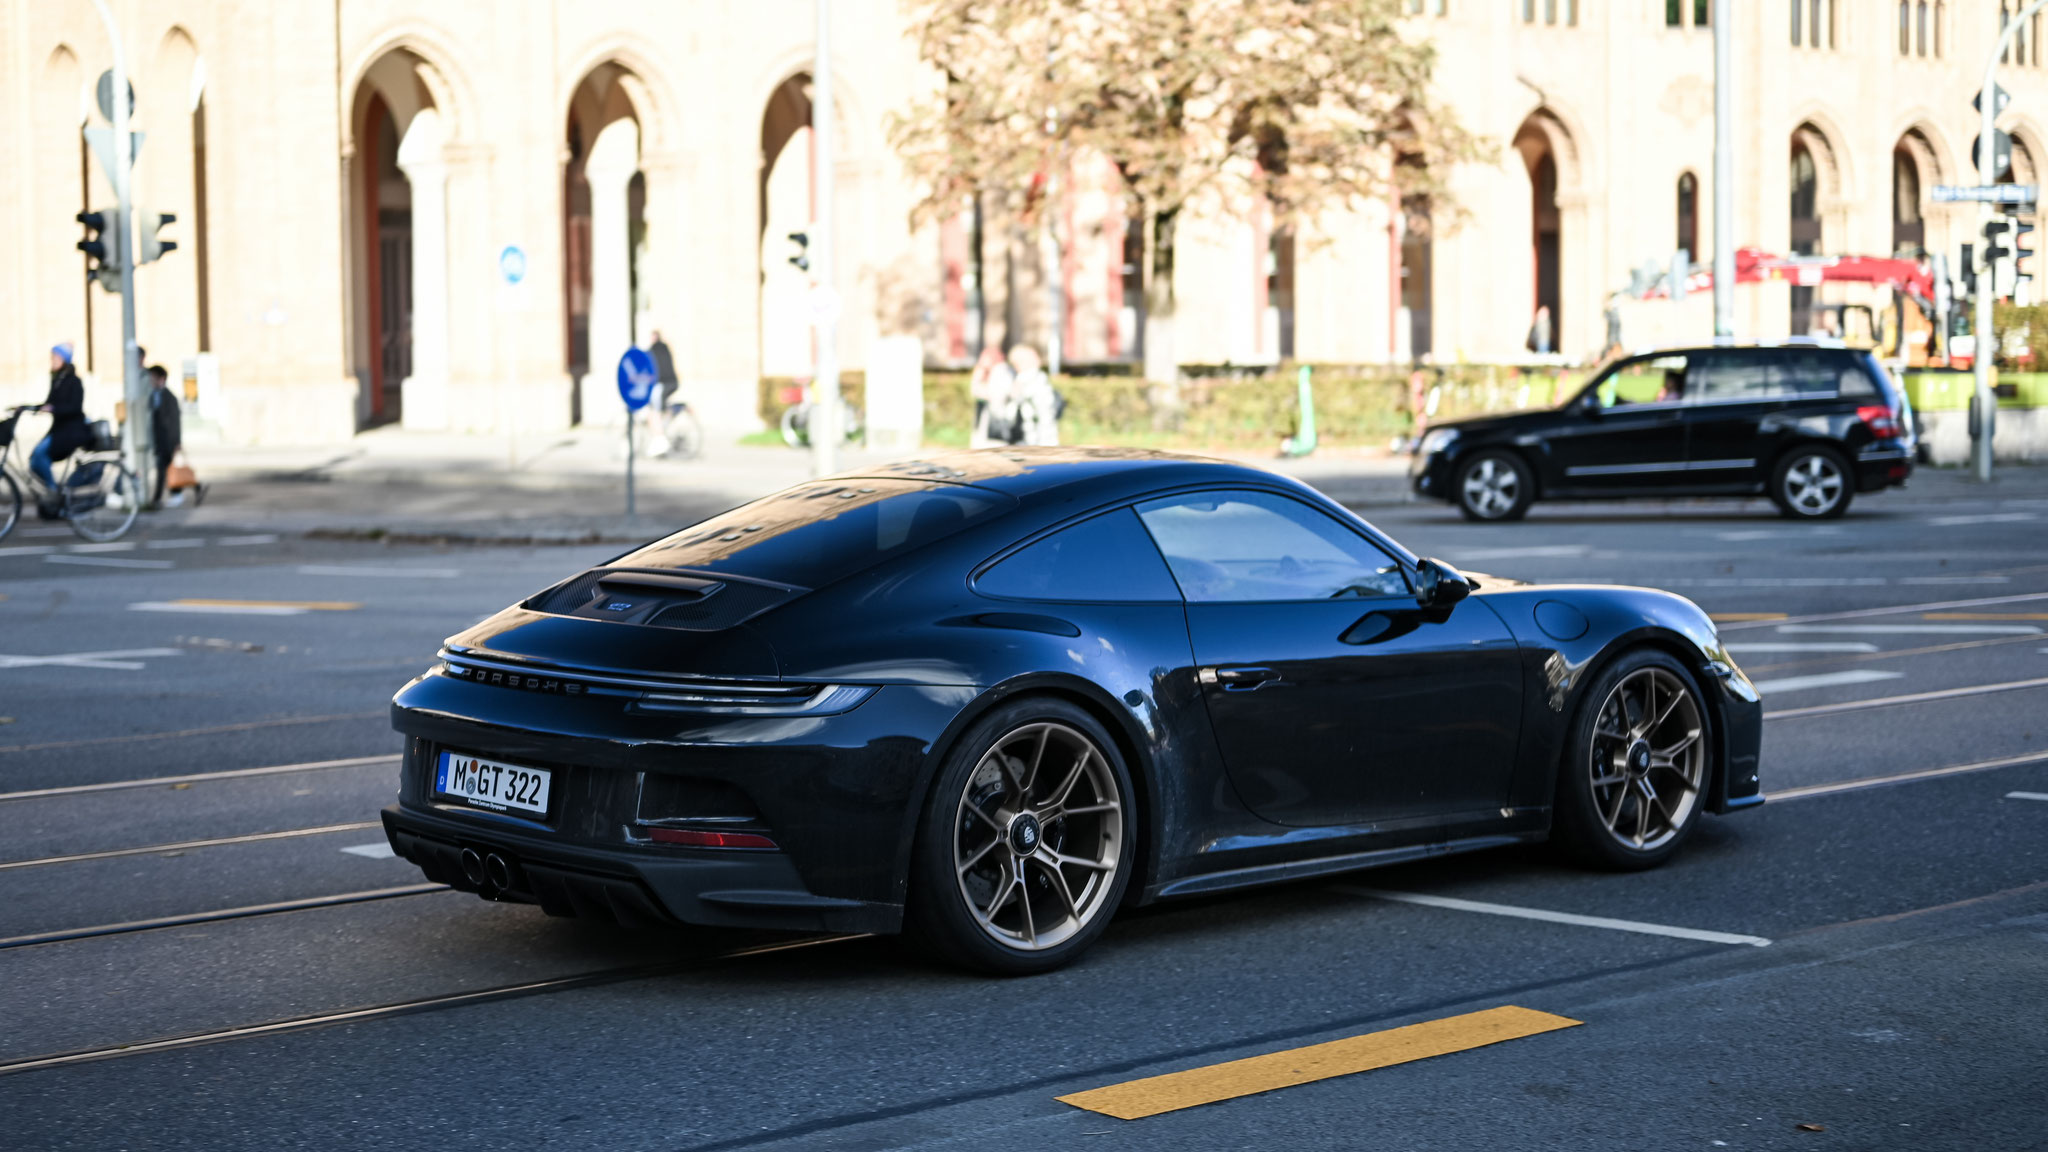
(1240, 677)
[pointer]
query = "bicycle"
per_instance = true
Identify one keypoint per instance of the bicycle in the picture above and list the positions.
(96, 493)
(796, 420)
(680, 436)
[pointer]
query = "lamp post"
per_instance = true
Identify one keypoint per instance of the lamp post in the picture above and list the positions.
(1724, 177)
(1985, 404)
(824, 423)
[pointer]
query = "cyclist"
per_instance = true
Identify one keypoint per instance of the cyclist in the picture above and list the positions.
(66, 406)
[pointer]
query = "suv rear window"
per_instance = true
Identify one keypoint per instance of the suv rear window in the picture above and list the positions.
(814, 534)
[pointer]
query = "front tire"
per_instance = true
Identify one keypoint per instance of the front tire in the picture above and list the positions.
(1495, 486)
(1635, 769)
(104, 508)
(1026, 843)
(1812, 484)
(10, 504)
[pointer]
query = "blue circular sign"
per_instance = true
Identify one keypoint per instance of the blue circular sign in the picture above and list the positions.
(636, 379)
(512, 264)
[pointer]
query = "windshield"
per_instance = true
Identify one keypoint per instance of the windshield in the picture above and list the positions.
(813, 534)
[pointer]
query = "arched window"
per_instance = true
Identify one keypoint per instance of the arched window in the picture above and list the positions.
(1909, 231)
(1798, 22)
(1940, 17)
(1922, 7)
(1689, 214)
(1905, 26)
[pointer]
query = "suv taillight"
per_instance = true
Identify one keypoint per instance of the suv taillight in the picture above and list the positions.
(1884, 423)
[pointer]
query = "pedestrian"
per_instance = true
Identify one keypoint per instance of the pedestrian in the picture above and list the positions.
(1038, 404)
(655, 415)
(166, 428)
(992, 387)
(1539, 331)
(68, 429)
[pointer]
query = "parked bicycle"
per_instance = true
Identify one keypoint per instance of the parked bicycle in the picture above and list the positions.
(796, 420)
(95, 493)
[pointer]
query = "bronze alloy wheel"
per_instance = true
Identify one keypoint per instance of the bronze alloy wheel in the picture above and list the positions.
(1648, 759)
(1039, 837)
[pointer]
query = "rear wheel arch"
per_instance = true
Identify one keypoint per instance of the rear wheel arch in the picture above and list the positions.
(1130, 744)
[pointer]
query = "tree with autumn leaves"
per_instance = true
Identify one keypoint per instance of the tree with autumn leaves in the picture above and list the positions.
(1310, 105)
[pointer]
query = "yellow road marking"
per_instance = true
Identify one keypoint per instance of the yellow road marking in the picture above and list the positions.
(1737, 617)
(308, 605)
(1984, 616)
(1137, 1099)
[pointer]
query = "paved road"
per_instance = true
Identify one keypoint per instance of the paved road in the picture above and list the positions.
(1865, 955)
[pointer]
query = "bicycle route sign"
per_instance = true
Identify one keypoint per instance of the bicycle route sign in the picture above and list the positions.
(636, 378)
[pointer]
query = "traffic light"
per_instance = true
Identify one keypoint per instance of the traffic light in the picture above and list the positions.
(152, 245)
(102, 246)
(802, 256)
(1994, 242)
(2022, 253)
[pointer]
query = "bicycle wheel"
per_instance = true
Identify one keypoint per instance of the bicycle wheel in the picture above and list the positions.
(101, 499)
(10, 504)
(794, 421)
(685, 435)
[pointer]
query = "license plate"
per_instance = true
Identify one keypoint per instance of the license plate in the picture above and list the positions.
(490, 784)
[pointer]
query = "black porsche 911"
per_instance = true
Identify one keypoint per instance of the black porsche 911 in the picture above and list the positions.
(991, 697)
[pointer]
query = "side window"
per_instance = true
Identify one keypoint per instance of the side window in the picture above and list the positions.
(1237, 546)
(1107, 558)
(1646, 380)
(1732, 377)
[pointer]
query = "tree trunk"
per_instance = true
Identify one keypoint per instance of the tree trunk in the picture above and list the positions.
(1161, 367)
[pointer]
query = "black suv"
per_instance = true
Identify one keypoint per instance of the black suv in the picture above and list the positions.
(1808, 425)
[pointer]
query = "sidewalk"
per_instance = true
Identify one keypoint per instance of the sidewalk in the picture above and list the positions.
(564, 488)
(570, 487)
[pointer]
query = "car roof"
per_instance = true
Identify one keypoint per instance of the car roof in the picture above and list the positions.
(1108, 473)
(1790, 343)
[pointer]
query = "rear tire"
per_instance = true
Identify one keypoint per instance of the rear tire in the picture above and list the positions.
(1026, 843)
(1812, 483)
(104, 509)
(10, 504)
(1494, 486)
(1636, 764)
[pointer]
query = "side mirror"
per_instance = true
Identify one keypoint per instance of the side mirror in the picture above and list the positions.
(1438, 585)
(1589, 404)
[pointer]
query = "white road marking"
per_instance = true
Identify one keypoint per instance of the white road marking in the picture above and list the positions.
(1983, 518)
(1903, 777)
(1756, 534)
(1773, 582)
(113, 546)
(224, 774)
(381, 850)
(108, 562)
(1911, 698)
(124, 659)
(1530, 553)
(1766, 646)
(347, 570)
(1544, 914)
(187, 542)
(219, 609)
(2026, 795)
(1899, 610)
(262, 538)
(1957, 580)
(27, 550)
(1823, 680)
(46, 532)
(1912, 629)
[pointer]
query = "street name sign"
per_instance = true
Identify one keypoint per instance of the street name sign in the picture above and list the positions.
(1989, 193)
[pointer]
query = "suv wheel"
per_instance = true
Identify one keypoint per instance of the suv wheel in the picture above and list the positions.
(1812, 484)
(1495, 486)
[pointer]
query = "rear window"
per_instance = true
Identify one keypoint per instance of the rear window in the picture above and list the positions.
(1775, 374)
(813, 534)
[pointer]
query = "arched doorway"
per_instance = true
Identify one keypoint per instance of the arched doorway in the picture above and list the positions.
(788, 203)
(398, 230)
(603, 232)
(1538, 149)
(1805, 226)
(171, 177)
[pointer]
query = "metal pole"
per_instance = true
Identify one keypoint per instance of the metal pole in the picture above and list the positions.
(1980, 360)
(632, 418)
(1724, 175)
(824, 422)
(135, 441)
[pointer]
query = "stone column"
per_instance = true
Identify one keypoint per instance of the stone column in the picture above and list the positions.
(425, 392)
(613, 159)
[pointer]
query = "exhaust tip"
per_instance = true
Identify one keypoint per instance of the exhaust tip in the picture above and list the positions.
(499, 870)
(473, 867)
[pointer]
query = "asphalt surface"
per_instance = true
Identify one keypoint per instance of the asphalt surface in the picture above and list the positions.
(299, 989)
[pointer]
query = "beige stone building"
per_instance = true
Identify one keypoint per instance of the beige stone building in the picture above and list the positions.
(454, 214)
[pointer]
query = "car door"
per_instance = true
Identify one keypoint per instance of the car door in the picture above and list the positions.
(1334, 698)
(1736, 404)
(1627, 430)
